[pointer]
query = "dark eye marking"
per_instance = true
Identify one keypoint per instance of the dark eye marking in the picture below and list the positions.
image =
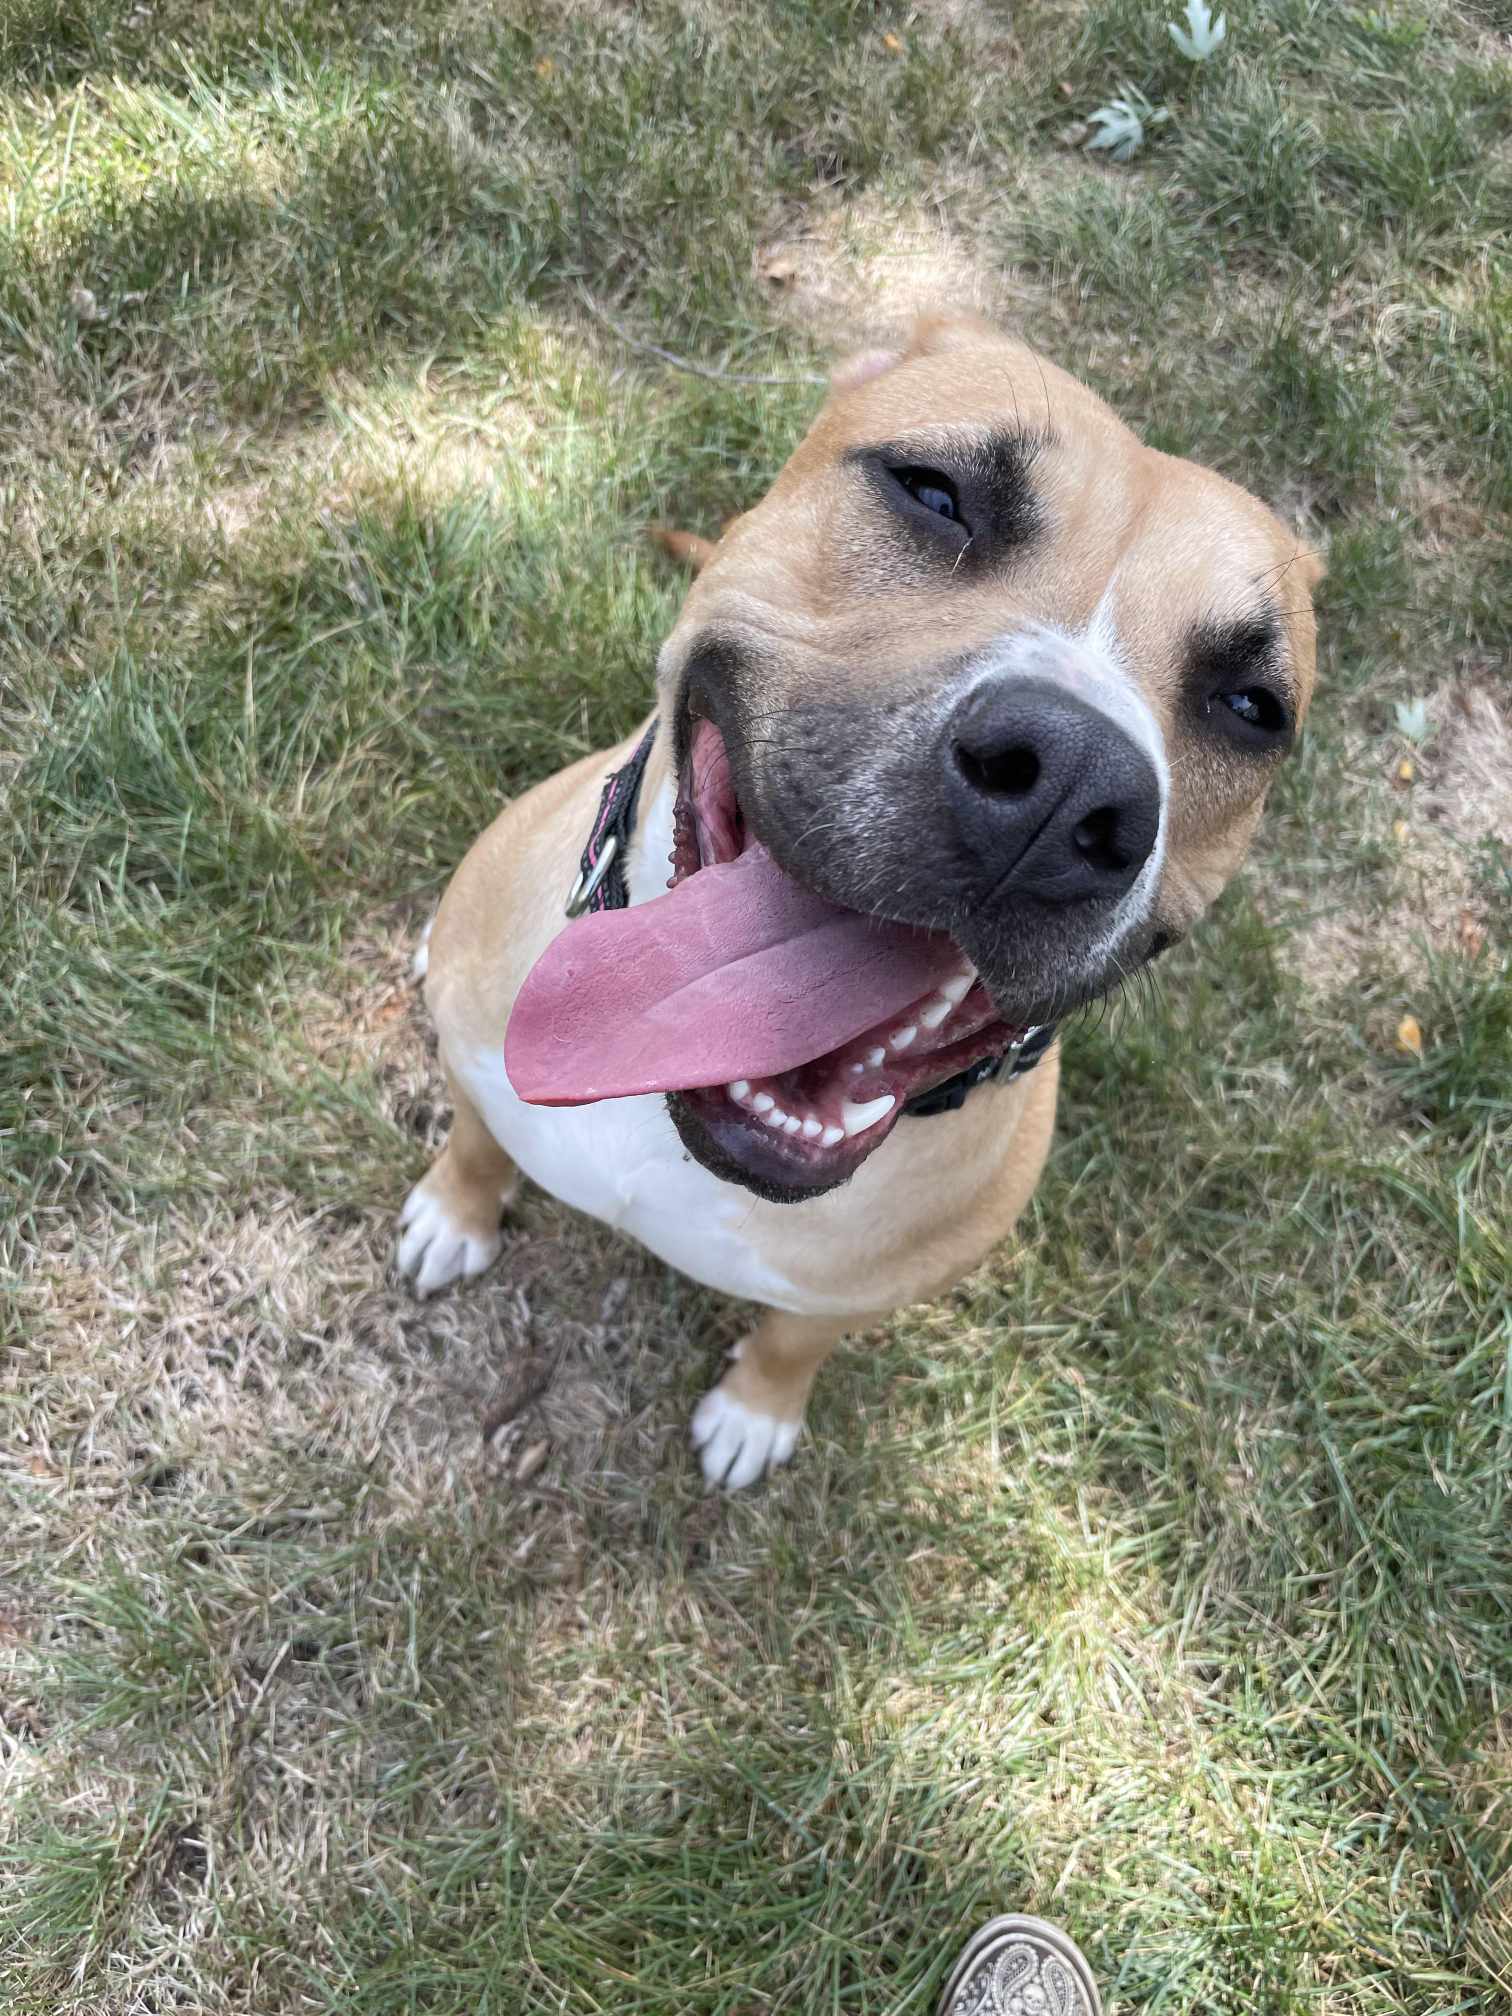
(962, 494)
(1237, 684)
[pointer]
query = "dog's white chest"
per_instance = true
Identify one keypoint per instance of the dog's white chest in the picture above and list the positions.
(621, 1161)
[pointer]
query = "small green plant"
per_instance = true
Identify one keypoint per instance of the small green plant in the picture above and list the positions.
(1202, 36)
(1121, 124)
(1412, 720)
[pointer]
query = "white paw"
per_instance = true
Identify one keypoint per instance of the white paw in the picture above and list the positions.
(420, 964)
(434, 1250)
(737, 1445)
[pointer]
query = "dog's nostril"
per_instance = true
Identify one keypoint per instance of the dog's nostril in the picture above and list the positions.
(1096, 839)
(1006, 773)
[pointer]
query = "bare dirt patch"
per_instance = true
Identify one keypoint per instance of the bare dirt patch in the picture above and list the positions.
(1441, 799)
(852, 273)
(568, 1341)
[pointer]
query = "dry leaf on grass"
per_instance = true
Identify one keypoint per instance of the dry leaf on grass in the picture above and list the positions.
(531, 1462)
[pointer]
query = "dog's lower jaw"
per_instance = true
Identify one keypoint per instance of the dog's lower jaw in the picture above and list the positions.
(733, 1153)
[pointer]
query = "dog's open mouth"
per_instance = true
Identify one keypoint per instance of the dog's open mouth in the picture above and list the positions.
(795, 1030)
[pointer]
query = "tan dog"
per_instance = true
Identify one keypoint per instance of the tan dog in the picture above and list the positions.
(972, 715)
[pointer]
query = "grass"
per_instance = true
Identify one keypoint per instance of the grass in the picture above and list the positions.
(1158, 1579)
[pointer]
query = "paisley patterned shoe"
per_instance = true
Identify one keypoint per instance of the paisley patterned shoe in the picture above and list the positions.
(1021, 1967)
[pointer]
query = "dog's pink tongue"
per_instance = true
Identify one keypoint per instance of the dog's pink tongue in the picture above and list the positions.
(736, 973)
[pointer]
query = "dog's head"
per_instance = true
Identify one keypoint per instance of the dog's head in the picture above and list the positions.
(982, 663)
(984, 697)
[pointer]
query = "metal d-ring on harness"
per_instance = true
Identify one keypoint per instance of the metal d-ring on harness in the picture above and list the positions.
(580, 896)
(601, 885)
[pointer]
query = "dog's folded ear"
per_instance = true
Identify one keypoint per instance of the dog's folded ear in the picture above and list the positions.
(932, 335)
(946, 329)
(865, 365)
(688, 549)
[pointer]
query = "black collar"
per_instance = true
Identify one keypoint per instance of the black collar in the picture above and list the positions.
(1022, 1054)
(601, 885)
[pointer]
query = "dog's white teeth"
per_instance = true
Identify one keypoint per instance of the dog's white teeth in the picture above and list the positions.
(763, 1102)
(901, 1038)
(955, 991)
(856, 1119)
(791, 1124)
(776, 1118)
(739, 1090)
(856, 1070)
(874, 1058)
(830, 1136)
(932, 1016)
(811, 1129)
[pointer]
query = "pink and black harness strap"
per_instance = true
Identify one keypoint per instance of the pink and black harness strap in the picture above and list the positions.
(601, 885)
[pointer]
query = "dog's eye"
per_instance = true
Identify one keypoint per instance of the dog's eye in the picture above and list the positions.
(1254, 705)
(935, 492)
(1234, 677)
(1257, 711)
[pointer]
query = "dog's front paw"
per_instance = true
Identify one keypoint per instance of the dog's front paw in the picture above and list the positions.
(434, 1249)
(735, 1444)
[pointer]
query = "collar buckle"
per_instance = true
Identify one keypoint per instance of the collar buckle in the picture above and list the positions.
(1015, 1044)
(1013, 1063)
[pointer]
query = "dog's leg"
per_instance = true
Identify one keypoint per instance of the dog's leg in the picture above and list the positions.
(449, 1227)
(748, 1423)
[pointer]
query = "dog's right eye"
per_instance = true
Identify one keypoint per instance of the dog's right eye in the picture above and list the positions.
(930, 488)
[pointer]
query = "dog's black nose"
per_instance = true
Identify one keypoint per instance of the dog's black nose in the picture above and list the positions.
(1049, 794)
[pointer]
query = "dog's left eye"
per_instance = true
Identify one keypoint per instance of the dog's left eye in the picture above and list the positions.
(935, 492)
